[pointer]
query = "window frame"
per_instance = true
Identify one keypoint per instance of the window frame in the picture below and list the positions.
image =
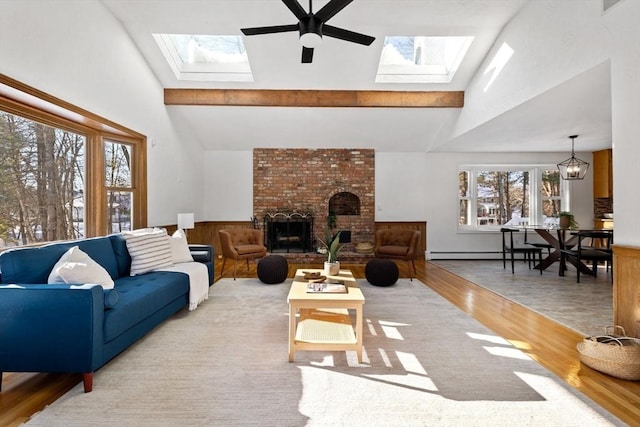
(535, 193)
(22, 100)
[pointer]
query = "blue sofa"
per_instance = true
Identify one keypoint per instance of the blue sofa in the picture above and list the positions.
(63, 328)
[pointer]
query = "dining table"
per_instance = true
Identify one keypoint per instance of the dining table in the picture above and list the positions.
(569, 238)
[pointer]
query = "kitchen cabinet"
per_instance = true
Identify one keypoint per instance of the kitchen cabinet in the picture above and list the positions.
(602, 174)
(603, 224)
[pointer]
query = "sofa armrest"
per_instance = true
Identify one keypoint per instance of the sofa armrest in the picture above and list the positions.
(203, 254)
(51, 328)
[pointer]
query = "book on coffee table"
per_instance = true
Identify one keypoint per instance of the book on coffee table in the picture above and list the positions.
(324, 287)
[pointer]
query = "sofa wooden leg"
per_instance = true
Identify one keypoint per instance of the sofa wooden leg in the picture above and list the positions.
(87, 380)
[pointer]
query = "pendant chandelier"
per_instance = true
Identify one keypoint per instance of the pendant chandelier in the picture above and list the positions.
(573, 168)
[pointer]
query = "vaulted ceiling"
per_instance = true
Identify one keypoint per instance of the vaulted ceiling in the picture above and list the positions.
(536, 125)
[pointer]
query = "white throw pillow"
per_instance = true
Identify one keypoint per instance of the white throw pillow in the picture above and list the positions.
(77, 267)
(180, 247)
(149, 250)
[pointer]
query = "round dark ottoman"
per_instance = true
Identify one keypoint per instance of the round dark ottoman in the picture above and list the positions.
(273, 269)
(381, 272)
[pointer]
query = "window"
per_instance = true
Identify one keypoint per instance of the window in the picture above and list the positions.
(65, 173)
(205, 57)
(118, 183)
(492, 196)
(42, 173)
(421, 59)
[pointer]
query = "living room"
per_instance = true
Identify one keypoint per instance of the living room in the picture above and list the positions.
(570, 55)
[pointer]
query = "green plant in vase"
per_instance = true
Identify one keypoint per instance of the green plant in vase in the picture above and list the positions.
(567, 220)
(333, 246)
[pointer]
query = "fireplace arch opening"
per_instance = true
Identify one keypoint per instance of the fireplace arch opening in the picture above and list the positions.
(344, 203)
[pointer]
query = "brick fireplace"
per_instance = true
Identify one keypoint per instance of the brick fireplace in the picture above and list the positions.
(311, 181)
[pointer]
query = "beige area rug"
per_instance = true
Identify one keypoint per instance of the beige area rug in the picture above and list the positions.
(225, 364)
(585, 307)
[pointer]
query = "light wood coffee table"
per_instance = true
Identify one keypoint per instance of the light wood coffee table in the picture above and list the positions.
(321, 321)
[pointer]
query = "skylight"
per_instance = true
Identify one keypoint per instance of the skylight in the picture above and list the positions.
(421, 59)
(205, 57)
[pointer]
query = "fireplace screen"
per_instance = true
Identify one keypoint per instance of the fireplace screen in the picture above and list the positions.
(288, 232)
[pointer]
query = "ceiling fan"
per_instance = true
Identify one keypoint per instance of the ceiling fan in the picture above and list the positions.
(313, 26)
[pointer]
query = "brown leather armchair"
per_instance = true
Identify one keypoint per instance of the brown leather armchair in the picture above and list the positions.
(398, 244)
(241, 243)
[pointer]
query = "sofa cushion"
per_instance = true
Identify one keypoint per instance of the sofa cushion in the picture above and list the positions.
(141, 296)
(33, 264)
(248, 249)
(149, 250)
(75, 266)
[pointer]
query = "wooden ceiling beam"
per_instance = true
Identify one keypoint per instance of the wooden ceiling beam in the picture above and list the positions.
(314, 98)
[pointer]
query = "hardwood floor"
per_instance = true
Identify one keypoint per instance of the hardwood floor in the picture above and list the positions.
(549, 343)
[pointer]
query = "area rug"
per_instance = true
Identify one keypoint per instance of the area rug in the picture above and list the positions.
(585, 307)
(426, 363)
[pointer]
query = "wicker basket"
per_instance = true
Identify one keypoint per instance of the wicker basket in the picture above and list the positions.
(615, 355)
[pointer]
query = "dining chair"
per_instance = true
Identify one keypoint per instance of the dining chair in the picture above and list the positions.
(593, 246)
(537, 244)
(509, 246)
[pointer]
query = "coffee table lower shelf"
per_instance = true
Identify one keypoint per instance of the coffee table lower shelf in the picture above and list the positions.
(333, 329)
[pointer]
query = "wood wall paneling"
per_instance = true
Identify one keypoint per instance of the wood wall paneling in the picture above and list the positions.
(207, 232)
(626, 289)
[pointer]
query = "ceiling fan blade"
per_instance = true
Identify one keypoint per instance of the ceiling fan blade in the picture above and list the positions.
(269, 30)
(331, 8)
(307, 55)
(350, 36)
(295, 7)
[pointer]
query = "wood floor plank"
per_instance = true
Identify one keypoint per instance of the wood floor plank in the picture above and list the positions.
(549, 343)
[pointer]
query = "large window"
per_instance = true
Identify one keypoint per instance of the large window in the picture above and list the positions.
(42, 181)
(65, 173)
(492, 196)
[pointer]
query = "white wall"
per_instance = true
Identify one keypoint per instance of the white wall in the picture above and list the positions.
(552, 41)
(400, 184)
(441, 192)
(76, 51)
(228, 183)
(623, 20)
(409, 187)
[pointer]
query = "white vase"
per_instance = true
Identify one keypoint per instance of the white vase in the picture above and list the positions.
(331, 268)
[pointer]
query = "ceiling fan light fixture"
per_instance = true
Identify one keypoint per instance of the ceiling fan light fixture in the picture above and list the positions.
(573, 168)
(310, 40)
(311, 27)
(310, 31)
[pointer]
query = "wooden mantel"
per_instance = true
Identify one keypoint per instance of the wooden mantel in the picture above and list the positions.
(314, 98)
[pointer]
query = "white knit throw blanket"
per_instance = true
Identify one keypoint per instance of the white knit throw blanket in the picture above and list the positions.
(198, 281)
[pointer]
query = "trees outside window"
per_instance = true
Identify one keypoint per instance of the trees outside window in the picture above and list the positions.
(492, 196)
(42, 182)
(119, 185)
(65, 173)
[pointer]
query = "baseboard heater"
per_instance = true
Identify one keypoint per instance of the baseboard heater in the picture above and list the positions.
(470, 255)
